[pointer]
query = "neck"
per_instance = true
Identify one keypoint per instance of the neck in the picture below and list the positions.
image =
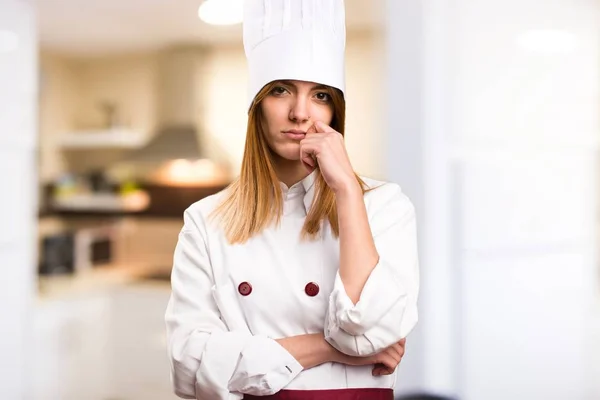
(290, 172)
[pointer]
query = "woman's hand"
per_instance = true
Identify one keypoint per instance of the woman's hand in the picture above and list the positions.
(324, 148)
(384, 363)
(309, 350)
(312, 350)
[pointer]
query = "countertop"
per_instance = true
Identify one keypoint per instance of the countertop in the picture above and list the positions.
(165, 202)
(100, 279)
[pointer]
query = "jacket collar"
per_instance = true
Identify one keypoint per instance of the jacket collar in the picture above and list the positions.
(306, 186)
(309, 187)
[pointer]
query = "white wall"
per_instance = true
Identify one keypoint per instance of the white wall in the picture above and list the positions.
(128, 81)
(18, 117)
(417, 119)
(58, 97)
(498, 148)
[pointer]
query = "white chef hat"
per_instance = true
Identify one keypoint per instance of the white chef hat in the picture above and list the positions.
(296, 40)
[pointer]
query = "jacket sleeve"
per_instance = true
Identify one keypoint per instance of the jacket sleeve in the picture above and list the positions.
(208, 361)
(387, 309)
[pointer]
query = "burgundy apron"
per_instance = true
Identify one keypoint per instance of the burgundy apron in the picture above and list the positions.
(334, 394)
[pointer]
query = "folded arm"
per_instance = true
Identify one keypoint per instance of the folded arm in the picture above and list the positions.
(374, 301)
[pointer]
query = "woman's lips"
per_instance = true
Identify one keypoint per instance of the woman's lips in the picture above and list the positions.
(295, 134)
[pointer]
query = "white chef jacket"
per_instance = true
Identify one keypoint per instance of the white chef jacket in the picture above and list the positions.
(221, 342)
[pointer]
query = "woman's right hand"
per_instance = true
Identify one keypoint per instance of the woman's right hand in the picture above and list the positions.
(384, 363)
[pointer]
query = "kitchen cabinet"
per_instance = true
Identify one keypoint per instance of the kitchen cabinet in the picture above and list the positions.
(139, 365)
(109, 344)
(150, 241)
(67, 359)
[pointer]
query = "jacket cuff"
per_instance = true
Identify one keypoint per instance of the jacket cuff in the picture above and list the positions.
(264, 368)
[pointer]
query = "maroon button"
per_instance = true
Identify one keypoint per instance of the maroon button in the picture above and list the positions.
(245, 288)
(312, 289)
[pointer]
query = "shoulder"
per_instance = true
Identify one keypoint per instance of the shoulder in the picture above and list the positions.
(388, 196)
(198, 215)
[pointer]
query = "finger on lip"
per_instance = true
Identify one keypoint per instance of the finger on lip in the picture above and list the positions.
(312, 129)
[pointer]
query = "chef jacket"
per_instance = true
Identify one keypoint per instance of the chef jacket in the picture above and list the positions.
(230, 302)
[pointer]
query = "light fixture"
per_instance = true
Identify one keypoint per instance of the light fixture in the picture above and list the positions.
(221, 12)
(9, 41)
(183, 172)
(548, 41)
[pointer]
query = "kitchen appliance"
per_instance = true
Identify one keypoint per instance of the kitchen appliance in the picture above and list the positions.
(78, 250)
(95, 246)
(176, 154)
(57, 254)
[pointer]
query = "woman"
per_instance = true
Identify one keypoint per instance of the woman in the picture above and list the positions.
(300, 280)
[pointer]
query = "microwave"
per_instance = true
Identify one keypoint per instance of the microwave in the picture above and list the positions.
(77, 251)
(94, 246)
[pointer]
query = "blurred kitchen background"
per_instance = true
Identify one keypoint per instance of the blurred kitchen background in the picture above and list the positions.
(117, 115)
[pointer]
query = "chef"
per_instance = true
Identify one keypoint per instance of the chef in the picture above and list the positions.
(300, 280)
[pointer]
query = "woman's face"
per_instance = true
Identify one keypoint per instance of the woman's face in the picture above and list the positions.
(290, 109)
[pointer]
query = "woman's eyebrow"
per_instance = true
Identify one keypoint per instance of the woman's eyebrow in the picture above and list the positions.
(291, 83)
(287, 83)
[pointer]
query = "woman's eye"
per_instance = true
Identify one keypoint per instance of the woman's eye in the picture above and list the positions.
(322, 96)
(279, 90)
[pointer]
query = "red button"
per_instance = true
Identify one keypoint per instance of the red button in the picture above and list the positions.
(245, 288)
(312, 289)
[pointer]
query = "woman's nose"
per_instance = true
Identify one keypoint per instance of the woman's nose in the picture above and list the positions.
(299, 111)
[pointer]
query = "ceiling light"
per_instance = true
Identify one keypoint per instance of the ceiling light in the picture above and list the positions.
(548, 41)
(9, 41)
(221, 12)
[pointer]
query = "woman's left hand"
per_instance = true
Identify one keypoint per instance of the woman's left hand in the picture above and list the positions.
(384, 363)
(323, 147)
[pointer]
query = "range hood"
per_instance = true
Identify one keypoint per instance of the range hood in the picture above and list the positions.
(174, 155)
(179, 109)
(169, 143)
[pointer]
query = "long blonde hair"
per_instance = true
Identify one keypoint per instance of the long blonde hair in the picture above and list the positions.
(254, 200)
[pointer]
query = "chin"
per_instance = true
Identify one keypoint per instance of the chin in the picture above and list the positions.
(288, 152)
